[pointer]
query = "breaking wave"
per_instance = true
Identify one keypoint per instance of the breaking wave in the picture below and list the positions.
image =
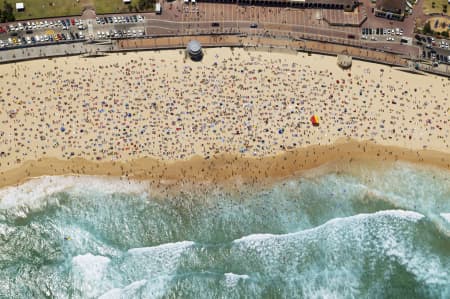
(352, 232)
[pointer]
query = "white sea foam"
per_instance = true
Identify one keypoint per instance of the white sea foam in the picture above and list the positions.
(126, 292)
(156, 261)
(407, 215)
(156, 264)
(90, 274)
(153, 266)
(414, 260)
(389, 238)
(231, 279)
(90, 265)
(82, 240)
(255, 237)
(171, 247)
(31, 193)
(446, 216)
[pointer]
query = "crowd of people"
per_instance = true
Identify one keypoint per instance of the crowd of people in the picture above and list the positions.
(161, 104)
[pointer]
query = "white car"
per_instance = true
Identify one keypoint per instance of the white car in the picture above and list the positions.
(373, 37)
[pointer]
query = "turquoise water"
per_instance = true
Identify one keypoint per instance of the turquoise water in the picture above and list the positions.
(347, 232)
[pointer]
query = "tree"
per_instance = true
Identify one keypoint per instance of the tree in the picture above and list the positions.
(444, 34)
(427, 28)
(7, 14)
(145, 4)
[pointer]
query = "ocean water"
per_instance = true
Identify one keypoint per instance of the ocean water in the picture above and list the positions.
(359, 231)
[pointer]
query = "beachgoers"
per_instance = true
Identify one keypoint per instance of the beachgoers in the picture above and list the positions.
(161, 105)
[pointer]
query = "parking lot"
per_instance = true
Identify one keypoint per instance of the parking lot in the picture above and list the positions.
(106, 27)
(41, 32)
(437, 51)
(387, 34)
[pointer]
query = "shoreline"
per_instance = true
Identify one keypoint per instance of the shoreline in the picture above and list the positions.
(237, 117)
(228, 170)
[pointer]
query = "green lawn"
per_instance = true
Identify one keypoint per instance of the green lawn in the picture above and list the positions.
(438, 4)
(55, 8)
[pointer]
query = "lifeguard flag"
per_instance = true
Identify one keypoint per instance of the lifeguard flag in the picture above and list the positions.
(315, 120)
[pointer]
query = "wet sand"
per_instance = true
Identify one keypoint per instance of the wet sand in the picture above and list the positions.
(235, 116)
(230, 171)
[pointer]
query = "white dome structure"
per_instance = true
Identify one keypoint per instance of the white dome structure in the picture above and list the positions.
(194, 50)
(344, 61)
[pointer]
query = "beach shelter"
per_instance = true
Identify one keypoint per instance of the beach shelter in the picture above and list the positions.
(315, 120)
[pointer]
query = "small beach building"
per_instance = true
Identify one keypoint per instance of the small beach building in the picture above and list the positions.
(20, 6)
(344, 61)
(390, 9)
(194, 50)
(126, 1)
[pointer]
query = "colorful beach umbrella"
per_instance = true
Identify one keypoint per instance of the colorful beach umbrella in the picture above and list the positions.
(315, 120)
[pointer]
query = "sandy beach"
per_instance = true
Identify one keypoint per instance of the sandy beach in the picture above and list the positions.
(160, 116)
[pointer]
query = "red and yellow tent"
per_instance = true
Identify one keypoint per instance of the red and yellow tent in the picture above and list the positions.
(315, 120)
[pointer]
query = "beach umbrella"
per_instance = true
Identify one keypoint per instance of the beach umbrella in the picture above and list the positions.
(315, 120)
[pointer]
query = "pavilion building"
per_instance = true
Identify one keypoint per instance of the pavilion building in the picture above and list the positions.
(391, 9)
(194, 50)
(346, 5)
